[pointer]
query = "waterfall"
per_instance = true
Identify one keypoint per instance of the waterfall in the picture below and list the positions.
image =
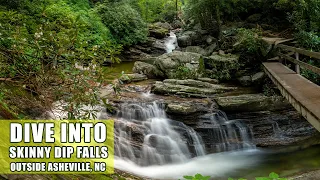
(171, 43)
(225, 134)
(152, 138)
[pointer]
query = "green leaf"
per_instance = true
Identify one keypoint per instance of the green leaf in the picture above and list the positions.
(263, 178)
(188, 177)
(274, 175)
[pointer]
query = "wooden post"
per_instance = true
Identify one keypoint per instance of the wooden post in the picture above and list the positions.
(297, 66)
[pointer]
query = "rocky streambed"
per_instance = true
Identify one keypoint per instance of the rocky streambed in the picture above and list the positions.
(215, 105)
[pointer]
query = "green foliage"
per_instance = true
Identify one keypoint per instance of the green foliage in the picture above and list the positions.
(197, 177)
(184, 72)
(272, 176)
(157, 10)
(248, 41)
(40, 45)
(123, 21)
(249, 45)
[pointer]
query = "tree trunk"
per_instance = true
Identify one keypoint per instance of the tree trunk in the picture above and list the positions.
(218, 18)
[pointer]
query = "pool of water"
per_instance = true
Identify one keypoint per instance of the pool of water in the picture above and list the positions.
(237, 164)
(285, 164)
(116, 70)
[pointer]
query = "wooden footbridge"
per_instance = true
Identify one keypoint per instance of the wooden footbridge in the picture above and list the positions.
(299, 91)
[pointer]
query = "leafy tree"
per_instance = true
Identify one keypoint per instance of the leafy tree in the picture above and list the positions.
(124, 22)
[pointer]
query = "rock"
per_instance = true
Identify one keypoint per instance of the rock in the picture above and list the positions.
(245, 81)
(181, 108)
(197, 49)
(222, 67)
(159, 30)
(164, 25)
(132, 54)
(189, 82)
(169, 63)
(210, 49)
(147, 69)
(211, 40)
(128, 78)
(189, 88)
(209, 80)
(221, 52)
(188, 38)
(255, 79)
(251, 103)
(258, 78)
(284, 129)
(184, 41)
(177, 108)
(158, 33)
(254, 18)
(177, 24)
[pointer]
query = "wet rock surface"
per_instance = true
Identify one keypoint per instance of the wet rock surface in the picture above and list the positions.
(189, 88)
(147, 69)
(252, 102)
(128, 78)
(269, 121)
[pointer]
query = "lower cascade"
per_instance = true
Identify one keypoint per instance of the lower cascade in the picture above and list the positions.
(145, 136)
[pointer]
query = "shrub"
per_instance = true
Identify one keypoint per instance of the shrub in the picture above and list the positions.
(39, 47)
(124, 22)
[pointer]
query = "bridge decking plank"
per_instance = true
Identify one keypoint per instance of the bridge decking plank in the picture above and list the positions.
(303, 90)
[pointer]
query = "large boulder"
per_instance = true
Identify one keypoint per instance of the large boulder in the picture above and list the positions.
(222, 66)
(189, 88)
(245, 81)
(177, 24)
(252, 103)
(188, 38)
(173, 63)
(197, 49)
(147, 69)
(157, 46)
(159, 30)
(256, 79)
(164, 25)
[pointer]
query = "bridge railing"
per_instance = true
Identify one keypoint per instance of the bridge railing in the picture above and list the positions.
(296, 61)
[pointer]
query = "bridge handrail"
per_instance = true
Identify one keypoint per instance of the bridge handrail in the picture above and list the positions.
(296, 60)
(300, 51)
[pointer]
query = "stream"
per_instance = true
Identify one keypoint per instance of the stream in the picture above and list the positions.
(151, 145)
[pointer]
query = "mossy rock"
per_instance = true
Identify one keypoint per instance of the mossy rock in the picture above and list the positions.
(222, 66)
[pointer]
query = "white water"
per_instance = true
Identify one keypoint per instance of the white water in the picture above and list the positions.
(214, 165)
(171, 43)
(230, 135)
(167, 154)
(162, 144)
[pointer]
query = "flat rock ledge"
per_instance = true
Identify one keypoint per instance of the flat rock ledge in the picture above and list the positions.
(251, 103)
(189, 88)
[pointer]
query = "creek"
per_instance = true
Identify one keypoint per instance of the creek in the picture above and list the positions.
(149, 144)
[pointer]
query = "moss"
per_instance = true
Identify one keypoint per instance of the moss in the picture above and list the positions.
(222, 67)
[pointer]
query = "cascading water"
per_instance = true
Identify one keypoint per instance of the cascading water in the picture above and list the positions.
(153, 139)
(147, 143)
(225, 134)
(171, 43)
